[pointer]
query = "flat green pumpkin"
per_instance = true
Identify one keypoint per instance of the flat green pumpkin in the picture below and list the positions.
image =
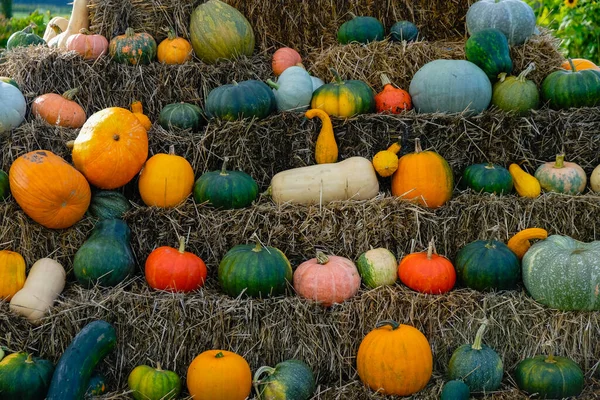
(361, 30)
(108, 204)
(24, 38)
(149, 383)
(181, 116)
(247, 99)
(488, 178)
(488, 49)
(550, 377)
(565, 89)
(4, 186)
(291, 379)
(404, 31)
(24, 377)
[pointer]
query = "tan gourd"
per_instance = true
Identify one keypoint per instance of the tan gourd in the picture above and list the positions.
(50, 32)
(353, 178)
(595, 179)
(79, 20)
(525, 184)
(519, 243)
(326, 149)
(45, 282)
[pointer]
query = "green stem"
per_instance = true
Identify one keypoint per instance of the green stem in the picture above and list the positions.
(477, 343)
(490, 244)
(390, 322)
(181, 244)
(256, 382)
(70, 94)
(219, 355)
(171, 35)
(527, 70)
(336, 75)
(322, 258)
(257, 248)
(129, 32)
(272, 84)
(158, 367)
(490, 166)
(29, 359)
(560, 161)
(572, 65)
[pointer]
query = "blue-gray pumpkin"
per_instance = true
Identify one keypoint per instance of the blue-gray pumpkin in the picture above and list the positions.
(514, 18)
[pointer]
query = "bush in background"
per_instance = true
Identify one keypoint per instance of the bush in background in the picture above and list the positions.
(9, 26)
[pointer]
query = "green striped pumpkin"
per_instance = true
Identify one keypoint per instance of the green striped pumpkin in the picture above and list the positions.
(147, 383)
(361, 30)
(291, 379)
(108, 204)
(181, 116)
(24, 38)
(24, 377)
(226, 189)
(516, 94)
(564, 89)
(377, 267)
(550, 377)
(488, 49)
(488, 178)
(133, 48)
(241, 100)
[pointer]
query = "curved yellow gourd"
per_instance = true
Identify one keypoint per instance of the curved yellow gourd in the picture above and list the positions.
(519, 243)
(326, 149)
(386, 161)
(138, 110)
(525, 184)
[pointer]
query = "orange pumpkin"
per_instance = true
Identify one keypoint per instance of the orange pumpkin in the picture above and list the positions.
(219, 375)
(394, 359)
(427, 272)
(580, 64)
(327, 279)
(166, 180)
(59, 110)
(91, 46)
(392, 99)
(111, 148)
(174, 50)
(12, 274)
(48, 189)
(424, 177)
(285, 58)
(138, 110)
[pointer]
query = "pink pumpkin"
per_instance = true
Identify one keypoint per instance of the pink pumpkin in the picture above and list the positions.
(89, 45)
(327, 279)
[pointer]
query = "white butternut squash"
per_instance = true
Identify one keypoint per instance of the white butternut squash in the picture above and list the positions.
(353, 178)
(50, 33)
(595, 179)
(79, 19)
(45, 282)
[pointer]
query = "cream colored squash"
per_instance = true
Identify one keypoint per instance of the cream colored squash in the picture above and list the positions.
(45, 282)
(353, 178)
(49, 33)
(79, 20)
(595, 179)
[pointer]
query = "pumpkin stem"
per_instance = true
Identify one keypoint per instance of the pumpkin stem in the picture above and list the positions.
(390, 322)
(29, 28)
(257, 248)
(56, 29)
(352, 14)
(84, 31)
(322, 258)
(272, 84)
(219, 355)
(171, 35)
(137, 107)
(262, 370)
(418, 148)
(158, 368)
(234, 83)
(490, 244)
(70, 144)
(29, 359)
(129, 32)
(224, 167)
(572, 65)
(336, 75)
(70, 94)
(477, 343)
(526, 71)
(181, 244)
(116, 137)
(172, 150)
(385, 80)
(431, 249)
(560, 161)
(502, 76)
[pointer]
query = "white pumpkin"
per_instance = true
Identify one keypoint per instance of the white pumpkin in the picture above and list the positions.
(293, 90)
(595, 179)
(317, 82)
(12, 107)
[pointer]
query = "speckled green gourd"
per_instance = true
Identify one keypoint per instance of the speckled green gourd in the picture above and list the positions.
(488, 178)
(561, 177)
(24, 377)
(291, 379)
(488, 49)
(516, 94)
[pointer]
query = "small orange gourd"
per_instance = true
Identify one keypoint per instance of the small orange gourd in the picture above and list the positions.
(174, 50)
(386, 161)
(59, 110)
(392, 99)
(519, 243)
(138, 110)
(326, 149)
(12, 273)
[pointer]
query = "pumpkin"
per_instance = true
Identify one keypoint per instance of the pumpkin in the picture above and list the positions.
(391, 99)
(166, 180)
(580, 64)
(488, 178)
(24, 38)
(594, 180)
(394, 359)
(550, 377)
(351, 179)
(450, 86)
(455, 390)
(44, 284)
(564, 89)
(254, 270)
(138, 111)
(284, 58)
(111, 148)
(561, 177)
(361, 30)
(25, 377)
(488, 49)
(105, 258)
(175, 270)
(404, 31)
(519, 243)
(514, 18)
(516, 93)
(132, 48)
(147, 383)
(424, 177)
(291, 379)
(226, 189)
(50, 191)
(427, 272)
(181, 116)
(344, 98)
(61, 22)
(59, 110)
(174, 50)
(219, 375)
(483, 265)
(326, 149)
(10, 81)
(377, 267)
(12, 272)
(219, 31)
(12, 107)
(563, 273)
(293, 90)
(91, 46)
(525, 184)
(107, 204)
(235, 101)
(4, 186)
(78, 20)
(385, 162)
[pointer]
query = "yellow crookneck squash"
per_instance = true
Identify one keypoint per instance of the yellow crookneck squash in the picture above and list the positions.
(519, 243)
(326, 149)
(386, 161)
(525, 184)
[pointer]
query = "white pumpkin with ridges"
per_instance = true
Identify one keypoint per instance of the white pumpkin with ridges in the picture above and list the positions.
(12, 107)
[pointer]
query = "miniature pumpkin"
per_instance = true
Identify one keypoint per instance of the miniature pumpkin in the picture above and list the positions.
(291, 379)
(595, 179)
(550, 377)
(327, 279)
(516, 93)
(25, 377)
(515, 18)
(404, 31)
(181, 116)
(525, 184)
(427, 272)
(580, 64)
(386, 161)
(561, 177)
(59, 110)
(108, 204)
(344, 98)
(24, 38)
(91, 46)
(138, 110)
(361, 30)
(391, 99)
(132, 48)
(48, 189)
(235, 101)
(488, 178)
(12, 273)
(394, 359)
(293, 90)
(4, 186)
(377, 267)
(455, 390)
(147, 383)
(564, 89)
(284, 58)
(326, 149)
(488, 49)
(519, 243)
(174, 50)
(219, 374)
(175, 270)
(12, 107)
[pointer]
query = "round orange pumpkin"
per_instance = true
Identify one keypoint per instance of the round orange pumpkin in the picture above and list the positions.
(580, 64)
(394, 359)
(427, 272)
(174, 50)
(285, 58)
(424, 177)
(111, 148)
(219, 375)
(138, 110)
(391, 99)
(89, 45)
(166, 180)
(12, 274)
(327, 279)
(48, 189)
(59, 110)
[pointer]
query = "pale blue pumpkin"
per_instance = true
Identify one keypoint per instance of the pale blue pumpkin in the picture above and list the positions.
(12, 107)
(293, 90)
(317, 82)
(514, 18)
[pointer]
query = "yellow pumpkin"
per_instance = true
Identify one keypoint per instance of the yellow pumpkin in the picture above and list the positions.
(138, 110)
(525, 184)
(326, 150)
(12, 273)
(519, 243)
(386, 161)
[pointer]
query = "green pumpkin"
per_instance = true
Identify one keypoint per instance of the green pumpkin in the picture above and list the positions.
(487, 264)
(105, 258)
(361, 30)
(96, 386)
(226, 189)
(514, 18)
(488, 49)
(24, 377)
(404, 30)
(549, 377)
(255, 270)
(516, 94)
(377, 267)
(24, 38)
(219, 31)
(133, 48)
(571, 88)
(235, 101)
(563, 273)
(108, 204)
(181, 116)
(4, 185)
(149, 383)
(344, 98)
(478, 365)
(10, 81)
(291, 379)
(455, 390)
(488, 178)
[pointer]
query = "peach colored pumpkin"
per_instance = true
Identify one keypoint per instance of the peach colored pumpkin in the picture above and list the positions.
(90, 46)
(59, 110)
(285, 58)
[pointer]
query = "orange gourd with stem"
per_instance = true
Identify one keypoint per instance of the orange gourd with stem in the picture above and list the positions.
(392, 99)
